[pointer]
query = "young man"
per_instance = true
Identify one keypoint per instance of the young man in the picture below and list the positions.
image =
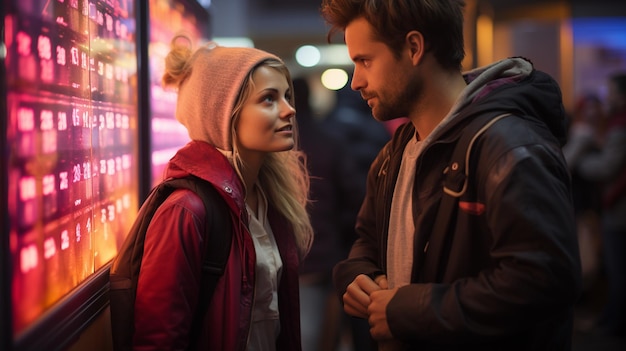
(506, 273)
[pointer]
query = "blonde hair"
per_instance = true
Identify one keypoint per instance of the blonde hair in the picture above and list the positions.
(283, 176)
(178, 62)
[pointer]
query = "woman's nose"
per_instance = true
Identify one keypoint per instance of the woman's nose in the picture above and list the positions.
(287, 111)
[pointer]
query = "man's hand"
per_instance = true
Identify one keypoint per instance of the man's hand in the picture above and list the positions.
(381, 280)
(377, 311)
(356, 299)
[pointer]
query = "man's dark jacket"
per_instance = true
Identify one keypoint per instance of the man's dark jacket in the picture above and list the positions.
(510, 275)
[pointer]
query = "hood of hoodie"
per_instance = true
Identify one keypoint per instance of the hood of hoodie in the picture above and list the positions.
(511, 85)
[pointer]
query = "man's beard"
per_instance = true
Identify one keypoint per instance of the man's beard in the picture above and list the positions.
(400, 105)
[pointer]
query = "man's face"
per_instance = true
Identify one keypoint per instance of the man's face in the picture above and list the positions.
(390, 85)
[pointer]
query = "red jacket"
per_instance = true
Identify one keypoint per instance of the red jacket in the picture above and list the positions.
(169, 282)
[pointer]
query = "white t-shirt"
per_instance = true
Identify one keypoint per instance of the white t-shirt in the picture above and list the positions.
(265, 325)
(401, 222)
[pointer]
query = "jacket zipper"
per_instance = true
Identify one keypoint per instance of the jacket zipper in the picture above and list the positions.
(244, 229)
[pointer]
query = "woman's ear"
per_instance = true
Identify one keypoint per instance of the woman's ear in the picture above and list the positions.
(415, 43)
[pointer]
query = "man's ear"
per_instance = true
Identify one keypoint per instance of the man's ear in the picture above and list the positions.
(415, 43)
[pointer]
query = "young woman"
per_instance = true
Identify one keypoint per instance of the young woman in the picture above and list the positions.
(237, 104)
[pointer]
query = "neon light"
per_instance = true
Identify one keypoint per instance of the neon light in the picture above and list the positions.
(49, 141)
(111, 212)
(47, 70)
(75, 117)
(65, 240)
(74, 55)
(63, 181)
(44, 47)
(62, 121)
(109, 22)
(28, 189)
(111, 166)
(86, 170)
(76, 173)
(23, 43)
(61, 56)
(49, 248)
(110, 120)
(28, 258)
(103, 166)
(48, 184)
(25, 119)
(78, 235)
(46, 120)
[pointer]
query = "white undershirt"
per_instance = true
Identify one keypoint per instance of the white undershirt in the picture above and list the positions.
(265, 325)
(401, 229)
(401, 221)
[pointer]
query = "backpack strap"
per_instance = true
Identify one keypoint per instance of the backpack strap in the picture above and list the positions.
(125, 269)
(454, 186)
(218, 235)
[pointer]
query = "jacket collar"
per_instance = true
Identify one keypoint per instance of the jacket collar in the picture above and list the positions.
(204, 161)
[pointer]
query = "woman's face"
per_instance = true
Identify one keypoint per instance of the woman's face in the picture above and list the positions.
(265, 123)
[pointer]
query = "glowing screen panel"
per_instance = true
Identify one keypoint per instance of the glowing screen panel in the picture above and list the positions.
(71, 130)
(168, 18)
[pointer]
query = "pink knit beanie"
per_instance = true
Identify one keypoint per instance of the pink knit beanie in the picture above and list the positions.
(207, 97)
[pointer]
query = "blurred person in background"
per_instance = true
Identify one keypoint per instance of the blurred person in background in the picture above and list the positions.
(586, 127)
(351, 121)
(607, 164)
(332, 173)
(585, 133)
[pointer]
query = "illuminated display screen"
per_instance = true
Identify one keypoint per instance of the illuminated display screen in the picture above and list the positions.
(168, 18)
(72, 139)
